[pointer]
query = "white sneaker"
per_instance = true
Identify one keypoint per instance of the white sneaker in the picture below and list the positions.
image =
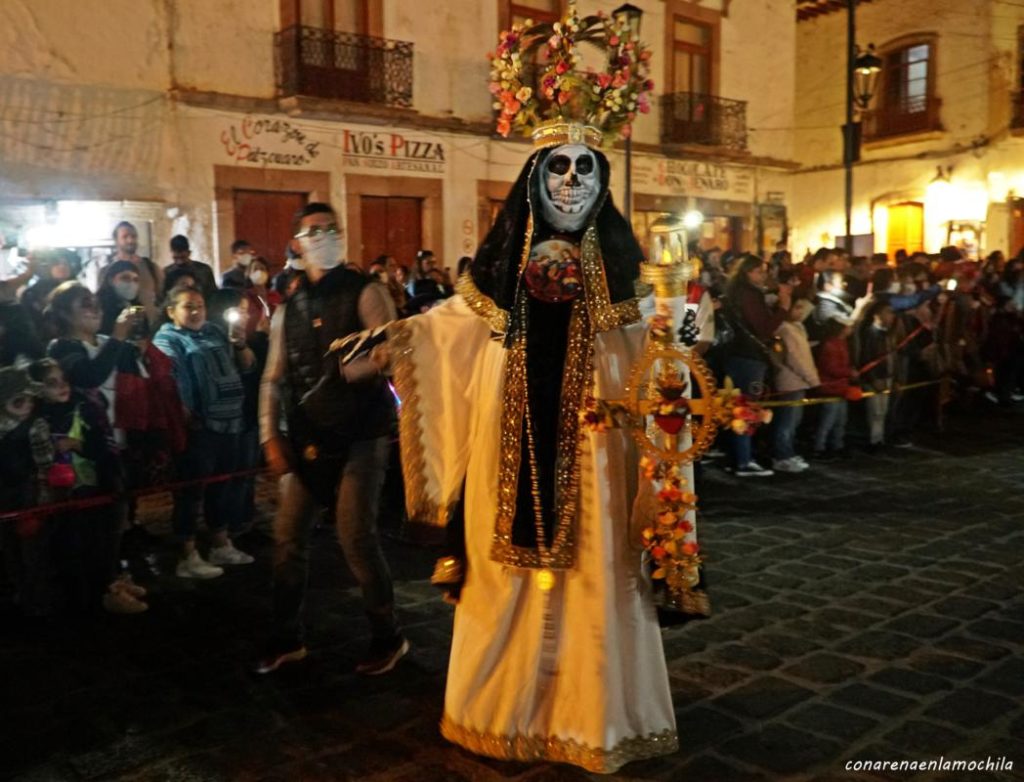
(229, 555)
(788, 465)
(753, 470)
(194, 566)
(801, 461)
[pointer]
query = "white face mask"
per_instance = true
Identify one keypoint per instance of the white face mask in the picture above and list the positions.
(258, 277)
(894, 287)
(244, 259)
(569, 187)
(323, 251)
(127, 291)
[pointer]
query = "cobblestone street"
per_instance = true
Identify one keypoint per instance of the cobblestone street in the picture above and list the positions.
(870, 609)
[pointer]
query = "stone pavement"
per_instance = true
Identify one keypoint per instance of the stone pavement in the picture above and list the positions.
(868, 610)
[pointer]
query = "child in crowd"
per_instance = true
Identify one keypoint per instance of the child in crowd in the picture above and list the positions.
(26, 455)
(207, 367)
(252, 322)
(834, 370)
(86, 541)
(792, 381)
(875, 357)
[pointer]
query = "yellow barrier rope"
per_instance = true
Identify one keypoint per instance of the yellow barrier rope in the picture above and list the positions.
(824, 400)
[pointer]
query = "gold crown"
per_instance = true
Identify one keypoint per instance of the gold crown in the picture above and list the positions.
(567, 103)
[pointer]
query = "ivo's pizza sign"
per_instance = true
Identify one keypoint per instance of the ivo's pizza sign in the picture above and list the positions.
(392, 151)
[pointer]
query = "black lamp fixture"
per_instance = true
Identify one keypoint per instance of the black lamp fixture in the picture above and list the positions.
(866, 68)
(629, 14)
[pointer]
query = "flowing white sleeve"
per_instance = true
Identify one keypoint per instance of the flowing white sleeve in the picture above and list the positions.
(435, 358)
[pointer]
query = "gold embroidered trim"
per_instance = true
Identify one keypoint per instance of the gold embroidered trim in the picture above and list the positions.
(551, 748)
(603, 314)
(502, 549)
(482, 304)
(420, 507)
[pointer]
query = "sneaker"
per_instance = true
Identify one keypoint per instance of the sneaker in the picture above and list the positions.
(753, 470)
(118, 601)
(1015, 397)
(384, 655)
(125, 583)
(194, 566)
(788, 465)
(229, 555)
(902, 442)
(278, 655)
(992, 397)
(802, 461)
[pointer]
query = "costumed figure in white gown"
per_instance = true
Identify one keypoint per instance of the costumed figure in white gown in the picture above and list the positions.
(556, 653)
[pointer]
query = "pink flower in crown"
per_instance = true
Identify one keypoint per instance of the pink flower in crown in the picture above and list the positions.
(613, 41)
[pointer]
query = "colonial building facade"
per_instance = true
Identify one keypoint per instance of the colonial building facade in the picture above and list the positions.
(942, 159)
(219, 119)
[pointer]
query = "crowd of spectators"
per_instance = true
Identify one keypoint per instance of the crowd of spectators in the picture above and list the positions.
(154, 377)
(891, 340)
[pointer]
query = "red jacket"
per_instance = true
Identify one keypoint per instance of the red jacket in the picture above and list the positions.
(834, 368)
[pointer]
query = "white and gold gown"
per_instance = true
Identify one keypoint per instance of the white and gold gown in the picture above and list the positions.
(576, 675)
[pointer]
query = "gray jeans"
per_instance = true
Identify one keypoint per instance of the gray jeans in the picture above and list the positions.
(355, 517)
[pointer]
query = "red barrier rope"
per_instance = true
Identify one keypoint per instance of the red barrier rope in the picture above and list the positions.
(108, 499)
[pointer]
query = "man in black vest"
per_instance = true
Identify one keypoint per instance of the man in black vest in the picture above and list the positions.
(335, 453)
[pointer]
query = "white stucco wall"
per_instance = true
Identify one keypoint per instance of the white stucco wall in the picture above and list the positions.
(974, 70)
(88, 109)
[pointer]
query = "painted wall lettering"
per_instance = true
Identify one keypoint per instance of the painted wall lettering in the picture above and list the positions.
(268, 142)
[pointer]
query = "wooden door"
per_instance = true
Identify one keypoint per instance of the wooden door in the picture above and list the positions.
(906, 228)
(391, 225)
(1017, 227)
(264, 219)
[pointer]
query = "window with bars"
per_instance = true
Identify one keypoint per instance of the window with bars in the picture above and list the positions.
(906, 102)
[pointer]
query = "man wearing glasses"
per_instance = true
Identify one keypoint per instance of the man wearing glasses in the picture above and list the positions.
(339, 421)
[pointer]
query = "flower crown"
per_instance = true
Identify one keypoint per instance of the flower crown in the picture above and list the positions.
(567, 104)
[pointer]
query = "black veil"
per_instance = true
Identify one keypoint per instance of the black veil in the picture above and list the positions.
(495, 268)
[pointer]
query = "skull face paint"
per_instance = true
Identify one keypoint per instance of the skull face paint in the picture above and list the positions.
(570, 187)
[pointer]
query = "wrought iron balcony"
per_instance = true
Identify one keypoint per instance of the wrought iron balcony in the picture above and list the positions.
(326, 64)
(910, 115)
(1017, 118)
(694, 118)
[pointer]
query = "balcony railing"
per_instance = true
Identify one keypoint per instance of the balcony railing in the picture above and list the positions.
(327, 64)
(1017, 118)
(693, 118)
(913, 115)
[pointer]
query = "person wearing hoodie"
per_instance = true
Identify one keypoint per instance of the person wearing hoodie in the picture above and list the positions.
(833, 361)
(875, 357)
(792, 380)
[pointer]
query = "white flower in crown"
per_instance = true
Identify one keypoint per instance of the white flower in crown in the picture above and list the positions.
(599, 103)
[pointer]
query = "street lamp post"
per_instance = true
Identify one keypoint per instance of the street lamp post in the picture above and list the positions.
(862, 69)
(632, 16)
